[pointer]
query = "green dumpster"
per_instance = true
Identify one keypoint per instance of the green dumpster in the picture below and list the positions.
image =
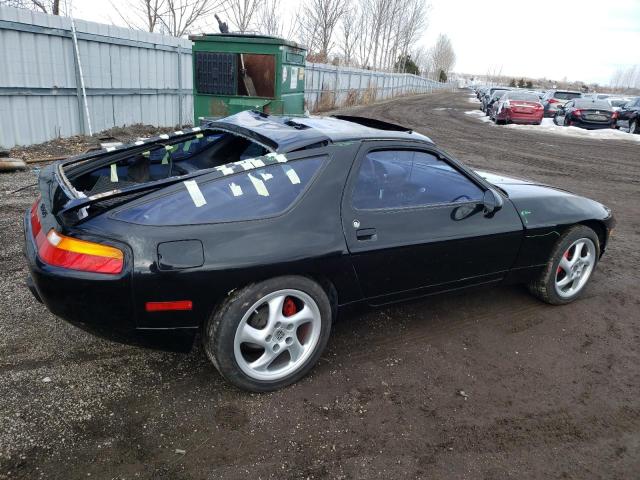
(235, 72)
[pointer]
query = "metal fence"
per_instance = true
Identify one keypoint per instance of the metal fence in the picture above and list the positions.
(331, 86)
(131, 77)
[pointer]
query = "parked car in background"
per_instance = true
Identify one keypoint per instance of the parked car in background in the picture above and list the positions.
(254, 230)
(618, 102)
(487, 96)
(586, 113)
(629, 116)
(495, 96)
(596, 96)
(554, 98)
(518, 107)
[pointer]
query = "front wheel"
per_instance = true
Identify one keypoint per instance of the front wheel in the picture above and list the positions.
(633, 126)
(569, 268)
(270, 334)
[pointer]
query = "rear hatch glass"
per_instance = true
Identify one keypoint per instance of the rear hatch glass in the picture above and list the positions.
(566, 95)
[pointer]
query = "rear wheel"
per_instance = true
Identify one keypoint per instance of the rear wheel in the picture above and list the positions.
(270, 334)
(569, 268)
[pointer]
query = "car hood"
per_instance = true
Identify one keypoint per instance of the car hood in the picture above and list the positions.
(541, 205)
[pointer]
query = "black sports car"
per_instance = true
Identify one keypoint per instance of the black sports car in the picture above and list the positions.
(255, 230)
(586, 113)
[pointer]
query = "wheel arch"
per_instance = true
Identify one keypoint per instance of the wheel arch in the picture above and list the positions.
(601, 231)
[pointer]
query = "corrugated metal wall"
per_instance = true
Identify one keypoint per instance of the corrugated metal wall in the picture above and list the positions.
(131, 77)
(330, 86)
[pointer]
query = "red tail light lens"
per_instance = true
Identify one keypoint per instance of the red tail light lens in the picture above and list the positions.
(553, 100)
(577, 113)
(179, 305)
(67, 252)
(614, 115)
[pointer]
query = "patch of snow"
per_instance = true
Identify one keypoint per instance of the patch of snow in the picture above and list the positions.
(547, 126)
(473, 100)
(479, 115)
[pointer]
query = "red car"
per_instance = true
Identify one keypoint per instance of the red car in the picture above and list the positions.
(518, 107)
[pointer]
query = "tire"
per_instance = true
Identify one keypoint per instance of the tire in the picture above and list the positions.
(633, 126)
(258, 311)
(562, 255)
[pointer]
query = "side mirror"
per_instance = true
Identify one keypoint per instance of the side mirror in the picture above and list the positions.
(492, 202)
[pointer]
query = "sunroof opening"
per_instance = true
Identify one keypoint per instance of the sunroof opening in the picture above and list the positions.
(373, 123)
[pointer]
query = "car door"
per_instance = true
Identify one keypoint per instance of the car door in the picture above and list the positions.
(414, 223)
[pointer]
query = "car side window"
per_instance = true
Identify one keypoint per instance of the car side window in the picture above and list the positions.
(409, 178)
(253, 194)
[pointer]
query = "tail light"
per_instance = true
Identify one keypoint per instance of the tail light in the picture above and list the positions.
(67, 252)
(614, 116)
(577, 113)
(553, 100)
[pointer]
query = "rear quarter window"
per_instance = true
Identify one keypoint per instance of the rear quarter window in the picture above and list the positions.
(254, 194)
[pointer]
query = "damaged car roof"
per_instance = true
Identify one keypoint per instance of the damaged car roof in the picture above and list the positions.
(287, 134)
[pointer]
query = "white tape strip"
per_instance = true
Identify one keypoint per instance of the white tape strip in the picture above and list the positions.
(165, 136)
(256, 162)
(293, 176)
(225, 170)
(195, 129)
(236, 190)
(114, 173)
(195, 192)
(278, 156)
(259, 185)
(178, 132)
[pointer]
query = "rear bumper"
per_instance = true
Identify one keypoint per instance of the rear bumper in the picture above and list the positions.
(522, 118)
(100, 304)
(592, 126)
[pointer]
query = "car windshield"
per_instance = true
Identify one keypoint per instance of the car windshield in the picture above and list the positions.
(566, 95)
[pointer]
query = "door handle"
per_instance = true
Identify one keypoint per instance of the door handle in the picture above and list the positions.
(366, 234)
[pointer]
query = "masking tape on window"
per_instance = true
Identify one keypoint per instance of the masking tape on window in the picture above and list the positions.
(195, 192)
(235, 189)
(259, 185)
(114, 173)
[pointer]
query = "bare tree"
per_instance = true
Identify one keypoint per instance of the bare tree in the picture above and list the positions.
(180, 17)
(243, 12)
(141, 14)
(349, 27)
(318, 20)
(51, 7)
(268, 18)
(443, 58)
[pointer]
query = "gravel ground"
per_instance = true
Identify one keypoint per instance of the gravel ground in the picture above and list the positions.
(483, 384)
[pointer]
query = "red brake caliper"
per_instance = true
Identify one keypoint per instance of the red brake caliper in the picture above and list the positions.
(566, 255)
(289, 308)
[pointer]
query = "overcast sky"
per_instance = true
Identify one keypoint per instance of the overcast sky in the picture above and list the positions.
(577, 39)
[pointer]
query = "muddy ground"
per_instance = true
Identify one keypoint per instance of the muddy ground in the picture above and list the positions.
(551, 392)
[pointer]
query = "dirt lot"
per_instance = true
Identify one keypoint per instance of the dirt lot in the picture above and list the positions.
(549, 392)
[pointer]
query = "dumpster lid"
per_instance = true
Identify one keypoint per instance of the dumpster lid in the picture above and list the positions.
(247, 37)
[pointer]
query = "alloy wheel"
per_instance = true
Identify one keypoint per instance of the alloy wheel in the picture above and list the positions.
(575, 267)
(277, 335)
